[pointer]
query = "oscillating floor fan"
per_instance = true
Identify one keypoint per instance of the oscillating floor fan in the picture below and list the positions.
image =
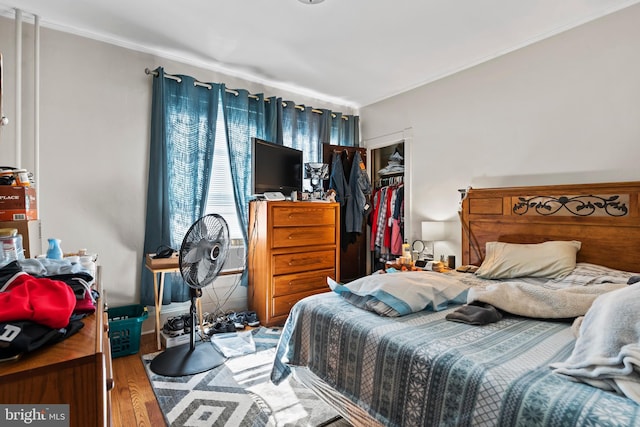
(202, 254)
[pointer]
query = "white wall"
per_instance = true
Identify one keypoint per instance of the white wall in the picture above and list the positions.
(564, 110)
(94, 137)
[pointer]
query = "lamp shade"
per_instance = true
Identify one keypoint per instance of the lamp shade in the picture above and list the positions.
(433, 231)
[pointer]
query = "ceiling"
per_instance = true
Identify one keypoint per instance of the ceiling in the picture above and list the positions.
(348, 52)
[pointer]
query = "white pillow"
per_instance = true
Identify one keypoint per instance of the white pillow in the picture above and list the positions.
(554, 259)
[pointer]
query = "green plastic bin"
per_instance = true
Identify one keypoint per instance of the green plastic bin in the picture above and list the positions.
(125, 328)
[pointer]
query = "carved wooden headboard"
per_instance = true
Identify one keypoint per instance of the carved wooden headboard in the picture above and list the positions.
(604, 217)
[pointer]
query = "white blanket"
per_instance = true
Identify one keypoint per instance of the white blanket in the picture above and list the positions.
(525, 299)
(607, 351)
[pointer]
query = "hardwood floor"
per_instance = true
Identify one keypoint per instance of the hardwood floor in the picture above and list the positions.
(133, 402)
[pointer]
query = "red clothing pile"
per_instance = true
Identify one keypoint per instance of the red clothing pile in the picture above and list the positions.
(34, 312)
(41, 300)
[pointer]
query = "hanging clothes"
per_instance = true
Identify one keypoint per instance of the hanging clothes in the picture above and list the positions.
(353, 194)
(337, 180)
(373, 219)
(387, 219)
(339, 183)
(389, 216)
(397, 222)
(358, 206)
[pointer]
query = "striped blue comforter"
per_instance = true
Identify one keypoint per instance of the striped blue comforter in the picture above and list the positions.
(422, 370)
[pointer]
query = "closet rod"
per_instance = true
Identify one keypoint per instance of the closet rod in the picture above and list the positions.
(197, 83)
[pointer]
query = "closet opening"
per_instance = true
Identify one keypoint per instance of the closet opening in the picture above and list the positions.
(387, 218)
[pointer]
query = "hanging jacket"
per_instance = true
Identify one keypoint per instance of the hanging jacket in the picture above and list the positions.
(388, 216)
(382, 217)
(373, 219)
(337, 180)
(358, 206)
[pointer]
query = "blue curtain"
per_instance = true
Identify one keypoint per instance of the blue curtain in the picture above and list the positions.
(301, 130)
(246, 116)
(343, 129)
(306, 129)
(183, 125)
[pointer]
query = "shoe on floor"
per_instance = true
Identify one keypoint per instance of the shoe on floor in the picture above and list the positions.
(238, 319)
(187, 320)
(251, 318)
(231, 326)
(174, 326)
(222, 327)
(218, 328)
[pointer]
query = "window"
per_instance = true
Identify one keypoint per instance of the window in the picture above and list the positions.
(221, 199)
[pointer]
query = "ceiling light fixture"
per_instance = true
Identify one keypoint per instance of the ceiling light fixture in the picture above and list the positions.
(310, 1)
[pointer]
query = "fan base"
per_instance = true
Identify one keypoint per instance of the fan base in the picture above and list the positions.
(182, 360)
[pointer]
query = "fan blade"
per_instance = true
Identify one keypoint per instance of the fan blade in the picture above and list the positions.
(192, 255)
(220, 234)
(204, 269)
(204, 229)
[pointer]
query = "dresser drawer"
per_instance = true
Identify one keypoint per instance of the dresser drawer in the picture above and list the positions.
(284, 216)
(303, 261)
(301, 282)
(282, 305)
(286, 237)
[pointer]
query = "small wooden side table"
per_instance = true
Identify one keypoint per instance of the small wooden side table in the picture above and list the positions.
(159, 267)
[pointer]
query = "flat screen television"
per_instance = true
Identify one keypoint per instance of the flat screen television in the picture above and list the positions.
(275, 168)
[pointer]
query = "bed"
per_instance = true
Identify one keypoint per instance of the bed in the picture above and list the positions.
(418, 356)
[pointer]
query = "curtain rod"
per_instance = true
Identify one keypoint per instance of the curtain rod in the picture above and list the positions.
(208, 86)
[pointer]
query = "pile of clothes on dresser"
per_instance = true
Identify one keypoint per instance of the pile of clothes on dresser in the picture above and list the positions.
(42, 302)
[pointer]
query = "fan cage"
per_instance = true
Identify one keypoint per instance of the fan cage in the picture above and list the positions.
(204, 250)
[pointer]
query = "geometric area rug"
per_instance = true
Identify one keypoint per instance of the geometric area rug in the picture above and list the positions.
(239, 393)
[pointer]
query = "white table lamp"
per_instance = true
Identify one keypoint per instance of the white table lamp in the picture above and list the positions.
(433, 231)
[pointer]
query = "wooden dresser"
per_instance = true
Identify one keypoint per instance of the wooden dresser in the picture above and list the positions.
(293, 248)
(76, 371)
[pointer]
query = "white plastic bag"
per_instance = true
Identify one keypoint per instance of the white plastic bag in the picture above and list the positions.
(233, 344)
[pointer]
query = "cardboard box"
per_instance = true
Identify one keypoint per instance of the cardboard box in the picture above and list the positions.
(18, 203)
(169, 342)
(31, 235)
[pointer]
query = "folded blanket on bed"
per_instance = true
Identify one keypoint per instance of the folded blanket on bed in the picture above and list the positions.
(398, 294)
(525, 299)
(607, 351)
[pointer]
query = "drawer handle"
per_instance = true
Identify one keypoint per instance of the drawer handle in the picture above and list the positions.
(296, 236)
(304, 261)
(298, 282)
(305, 214)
